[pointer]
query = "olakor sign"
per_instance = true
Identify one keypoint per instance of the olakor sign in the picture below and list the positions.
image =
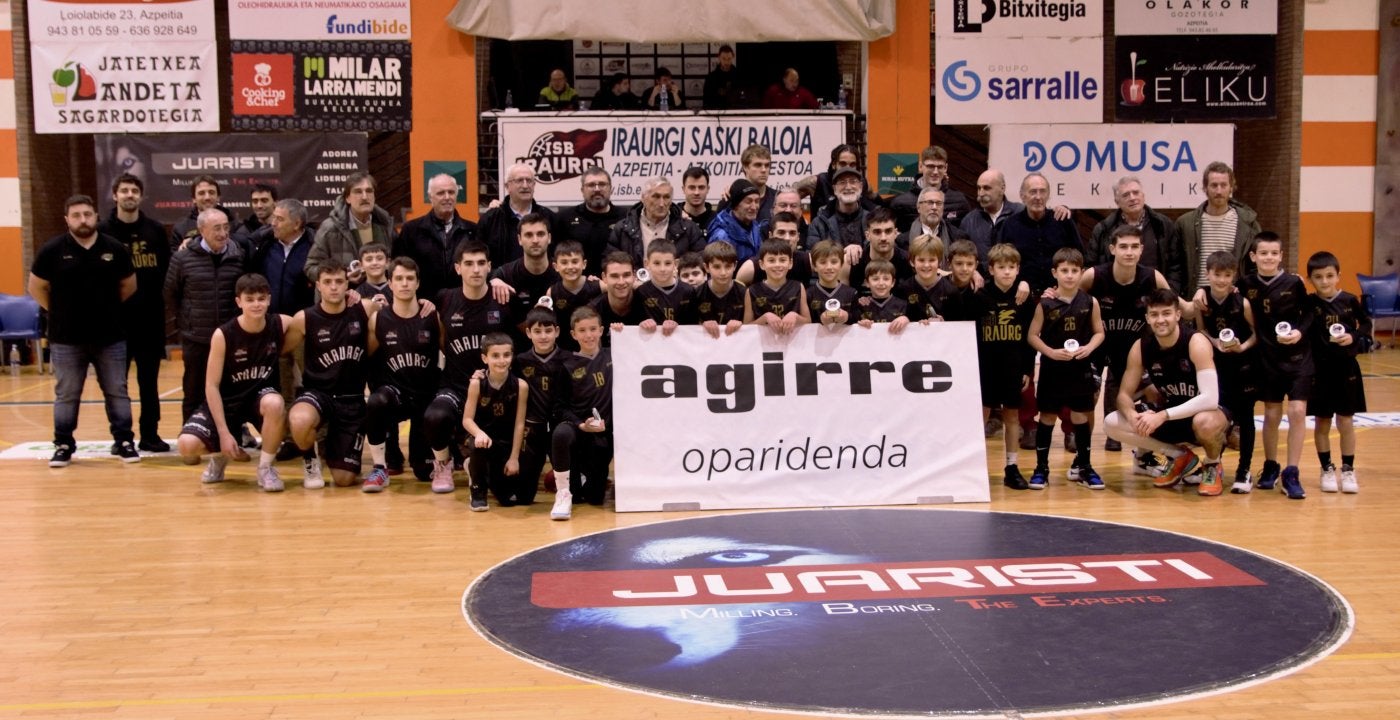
(850, 416)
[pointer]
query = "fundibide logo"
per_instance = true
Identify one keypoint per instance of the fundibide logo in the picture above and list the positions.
(264, 84)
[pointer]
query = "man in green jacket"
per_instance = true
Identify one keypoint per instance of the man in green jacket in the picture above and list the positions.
(1220, 223)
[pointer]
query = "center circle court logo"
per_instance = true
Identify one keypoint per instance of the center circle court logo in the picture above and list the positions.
(959, 83)
(907, 612)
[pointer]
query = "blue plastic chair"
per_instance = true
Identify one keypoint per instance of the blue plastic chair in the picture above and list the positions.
(1381, 296)
(19, 320)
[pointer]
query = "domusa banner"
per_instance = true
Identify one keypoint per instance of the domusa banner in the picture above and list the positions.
(1082, 162)
(636, 146)
(819, 417)
(310, 167)
(319, 20)
(102, 66)
(282, 85)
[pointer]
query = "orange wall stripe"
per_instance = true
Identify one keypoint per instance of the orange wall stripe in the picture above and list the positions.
(7, 57)
(1346, 235)
(444, 62)
(12, 257)
(896, 90)
(9, 154)
(1341, 52)
(1339, 144)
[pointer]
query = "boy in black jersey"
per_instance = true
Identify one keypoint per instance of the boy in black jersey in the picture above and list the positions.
(573, 290)
(720, 301)
(1005, 361)
(1121, 287)
(777, 302)
(925, 293)
(541, 367)
(494, 418)
(339, 338)
(881, 306)
(466, 315)
(784, 226)
(1285, 320)
(404, 375)
(692, 265)
(1181, 364)
(1066, 330)
(520, 283)
(1340, 320)
(1223, 309)
(241, 386)
(619, 305)
(830, 301)
(374, 261)
(582, 448)
(666, 301)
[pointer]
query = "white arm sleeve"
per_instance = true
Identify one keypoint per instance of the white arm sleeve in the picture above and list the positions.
(1208, 399)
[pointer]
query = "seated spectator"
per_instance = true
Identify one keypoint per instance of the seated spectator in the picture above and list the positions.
(789, 95)
(667, 87)
(557, 94)
(617, 95)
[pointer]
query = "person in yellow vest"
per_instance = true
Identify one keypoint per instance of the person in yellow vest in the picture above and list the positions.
(557, 94)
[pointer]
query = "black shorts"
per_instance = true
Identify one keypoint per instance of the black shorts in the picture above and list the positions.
(1338, 391)
(1001, 388)
(1274, 386)
(404, 405)
(1064, 385)
(201, 423)
(342, 416)
(1177, 432)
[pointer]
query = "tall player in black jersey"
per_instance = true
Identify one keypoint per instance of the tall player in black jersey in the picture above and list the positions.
(520, 283)
(241, 386)
(494, 418)
(339, 338)
(404, 374)
(1181, 365)
(582, 448)
(466, 314)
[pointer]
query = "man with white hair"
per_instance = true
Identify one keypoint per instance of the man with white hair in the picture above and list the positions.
(500, 226)
(199, 288)
(431, 238)
(930, 221)
(844, 220)
(1161, 243)
(655, 218)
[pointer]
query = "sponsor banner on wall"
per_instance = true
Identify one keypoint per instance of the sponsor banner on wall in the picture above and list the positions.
(636, 146)
(1082, 162)
(1019, 18)
(102, 66)
(854, 416)
(1207, 78)
(282, 85)
(310, 167)
(319, 20)
(1033, 80)
(1195, 17)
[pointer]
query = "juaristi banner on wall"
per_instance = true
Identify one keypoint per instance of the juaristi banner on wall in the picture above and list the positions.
(636, 146)
(1082, 162)
(851, 416)
(319, 20)
(107, 66)
(1035, 79)
(310, 167)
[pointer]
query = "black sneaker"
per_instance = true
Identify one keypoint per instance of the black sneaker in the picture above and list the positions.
(126, 450)
(247, 441)
(155, 445)
(1112, 445)
(1269, 476)
(1014, 479)
(288, 451)
(62, 455)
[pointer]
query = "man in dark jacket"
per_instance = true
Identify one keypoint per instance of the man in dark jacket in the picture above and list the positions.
(500, 226)
(591, 222)
(199, 287)
(205, 193)
(655, 218)
(430, 239)
(1161, 243)
(143, 314)
(261, 200)
(1037, 234)
(933, 173)
(843, 219)
(355, 221)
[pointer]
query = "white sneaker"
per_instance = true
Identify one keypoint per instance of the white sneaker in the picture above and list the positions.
(1147, 464)
(1072, 474)
(1329, 479)
(269, 480)
(214, 471)
(442, 477)
(1349, 481)
(1243, 484)
(311, 477)
(563, 505)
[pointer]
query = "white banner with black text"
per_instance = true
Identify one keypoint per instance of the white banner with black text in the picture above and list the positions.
(818, 417)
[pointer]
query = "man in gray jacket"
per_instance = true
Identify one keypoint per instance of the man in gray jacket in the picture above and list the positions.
(355, 221)
(1220, 223)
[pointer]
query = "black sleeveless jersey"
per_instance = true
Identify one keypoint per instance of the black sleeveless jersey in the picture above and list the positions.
(408, 352)
(566, 302)
(1170, 368)
(250, 360)
(801, 269)
(465, 322)
(882, 311)
(336, 346)
(780, 302)
(589, 383)
(1228, 313)
(495, 407)
(542, 374)
(709, 306)
(1062, 320)
(940, 300)
(1282, 298)
(674, 303)
(1002, 349)
(842, 293)
(1123, 308)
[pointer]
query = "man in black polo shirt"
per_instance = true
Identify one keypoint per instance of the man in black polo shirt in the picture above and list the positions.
(82, 277)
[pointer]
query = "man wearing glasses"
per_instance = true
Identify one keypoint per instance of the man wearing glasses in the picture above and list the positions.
(591, 221)
(933, 173)
(499, 227)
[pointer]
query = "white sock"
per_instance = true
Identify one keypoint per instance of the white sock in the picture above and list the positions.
(266, 458)
(376, 453)
(561, 481)
(1011, 458)
(443, 455)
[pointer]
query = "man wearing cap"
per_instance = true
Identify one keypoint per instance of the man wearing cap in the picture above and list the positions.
(844, 220)
(738, 223)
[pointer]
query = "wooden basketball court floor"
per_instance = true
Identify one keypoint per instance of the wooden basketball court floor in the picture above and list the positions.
(133, 591)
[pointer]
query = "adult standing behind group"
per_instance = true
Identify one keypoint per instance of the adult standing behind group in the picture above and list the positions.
(655, 218)
(1161, 243)
(199, 287)
(500, 226)
(143, 314)
(355, 221)
(204, 193)
(933, 173)
(1219, 223)
(82, 277)
(261, 199)
(591, 222)
(431, 238)
(993, 209)
(280, 256)
(1037, 233)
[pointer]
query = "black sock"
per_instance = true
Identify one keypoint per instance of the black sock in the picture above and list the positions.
(1325, 458)
(1247, 443)
(1348, 462)
(1082, 433)
(1043, 433)
(309, 453)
